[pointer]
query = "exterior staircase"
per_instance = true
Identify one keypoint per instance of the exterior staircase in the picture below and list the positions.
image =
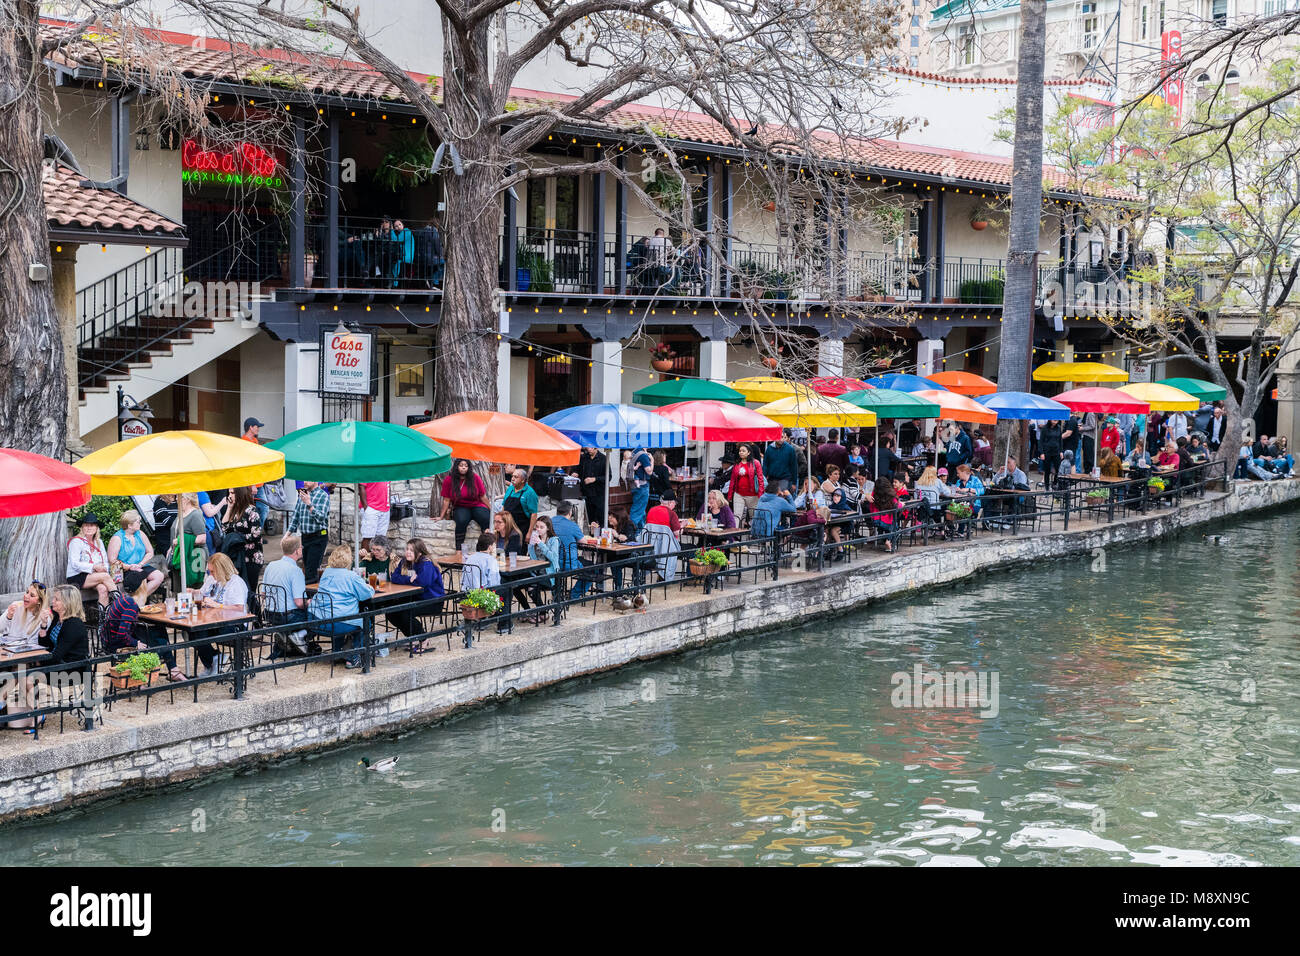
(134, 332)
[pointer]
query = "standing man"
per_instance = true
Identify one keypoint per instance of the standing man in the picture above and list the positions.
(310, 519)
(251, 429)
(781, 465)
(831, 452)
(1049, 444)
(643, 470)
(1214, 431)
(593, 472)
(374, 513)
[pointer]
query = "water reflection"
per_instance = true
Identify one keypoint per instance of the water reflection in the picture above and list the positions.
(1148, 715)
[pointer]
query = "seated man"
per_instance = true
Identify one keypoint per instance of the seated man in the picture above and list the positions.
(569, 534)
(771, 507)
(283, 591)
(1011, 470)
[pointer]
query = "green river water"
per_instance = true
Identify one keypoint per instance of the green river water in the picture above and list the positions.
(1147, 713)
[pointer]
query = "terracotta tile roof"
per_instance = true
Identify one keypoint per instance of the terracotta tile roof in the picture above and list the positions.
(70, 205)
(289, 72)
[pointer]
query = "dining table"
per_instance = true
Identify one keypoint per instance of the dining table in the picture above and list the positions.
(192, 627)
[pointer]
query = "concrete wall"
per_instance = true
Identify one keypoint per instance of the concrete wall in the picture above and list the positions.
(76, 768)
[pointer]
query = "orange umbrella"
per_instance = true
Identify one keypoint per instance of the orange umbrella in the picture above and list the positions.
(958, 407)
(498, 436)
(964, 383)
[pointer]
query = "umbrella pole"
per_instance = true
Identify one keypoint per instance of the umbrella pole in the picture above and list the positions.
(356, 525)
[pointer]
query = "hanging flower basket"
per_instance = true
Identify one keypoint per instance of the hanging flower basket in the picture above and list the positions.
(979, 225)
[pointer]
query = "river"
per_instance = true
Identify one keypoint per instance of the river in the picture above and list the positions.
(1147, 712)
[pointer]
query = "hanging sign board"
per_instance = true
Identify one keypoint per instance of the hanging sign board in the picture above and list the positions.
(347, 363)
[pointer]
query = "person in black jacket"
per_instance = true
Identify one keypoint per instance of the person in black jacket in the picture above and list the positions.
(1049, 443)
(593, 472)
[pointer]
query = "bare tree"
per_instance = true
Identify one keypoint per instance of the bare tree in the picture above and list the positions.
(1026, 211)
(1218, 215)
(33, 389)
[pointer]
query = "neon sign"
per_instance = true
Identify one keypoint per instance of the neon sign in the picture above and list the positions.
(246, 159)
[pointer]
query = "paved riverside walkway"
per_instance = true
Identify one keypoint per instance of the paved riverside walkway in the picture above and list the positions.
(309, 709)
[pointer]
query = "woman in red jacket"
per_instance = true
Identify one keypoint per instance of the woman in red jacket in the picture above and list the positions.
(745, 484)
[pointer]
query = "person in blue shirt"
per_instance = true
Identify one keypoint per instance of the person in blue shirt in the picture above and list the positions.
(416, 567)
(339, 595)
(767, 513)
(643, 469)
(970, 482)
(568, 533)
(781, 464)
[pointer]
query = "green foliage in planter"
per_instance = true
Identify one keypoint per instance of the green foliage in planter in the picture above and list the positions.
(539, 268)
(407, 161)
(1097, 494)
(666, 190)
(1156, 484)
(483, 599)
(960, 509)
(714, 557)
(107, 508)
(981, 290)
(139, 666)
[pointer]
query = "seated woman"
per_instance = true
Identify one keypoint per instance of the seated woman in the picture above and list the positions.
(932, 491)
(880, 510)
(68, 643)
(88, 560)
(133, 549)
(715, 507)
(810, 496)
(416, 566)
(543, 546)
(121, 634)
(1109, 463)
(838, 507)
(25, 621)
(378, 558)
(338, 596)
(1138, 457)
(223, 587)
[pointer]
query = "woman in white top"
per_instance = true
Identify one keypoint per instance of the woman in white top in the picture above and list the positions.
(88, 560)
(25, 622)
(812, 495)
(931, 488)
(222, 588)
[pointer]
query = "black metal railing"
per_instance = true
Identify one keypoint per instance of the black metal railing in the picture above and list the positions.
(373, 254)
(764, 552)
(106, 304)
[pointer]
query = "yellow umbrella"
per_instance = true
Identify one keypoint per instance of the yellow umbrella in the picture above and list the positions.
(1079, 372)
(811, 410)
(765, 388)
(1162, 398)
(178, 462)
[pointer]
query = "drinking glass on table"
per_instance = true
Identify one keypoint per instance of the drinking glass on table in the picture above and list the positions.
(171, 606)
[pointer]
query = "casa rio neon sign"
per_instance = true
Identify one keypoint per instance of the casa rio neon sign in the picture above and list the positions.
(245, 164)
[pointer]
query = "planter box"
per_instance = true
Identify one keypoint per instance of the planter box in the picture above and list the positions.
(127, 682)
(473, 613)
(702, 570)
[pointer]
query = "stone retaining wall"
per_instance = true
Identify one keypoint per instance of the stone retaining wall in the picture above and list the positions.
(74, 768)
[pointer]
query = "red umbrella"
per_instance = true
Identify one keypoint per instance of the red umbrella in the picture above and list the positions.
(836, 385)
(32, 484)
(1102, 401)
(709, 420)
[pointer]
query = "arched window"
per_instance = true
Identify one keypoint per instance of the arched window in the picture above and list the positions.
(1203, 79)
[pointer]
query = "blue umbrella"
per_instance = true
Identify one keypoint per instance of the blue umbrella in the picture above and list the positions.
(616, 426)
(901, 382)
(1022, 406)
(1025, 406)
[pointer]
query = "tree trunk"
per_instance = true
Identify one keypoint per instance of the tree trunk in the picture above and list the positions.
(465, 376)
(1026, 211)
(33, 387)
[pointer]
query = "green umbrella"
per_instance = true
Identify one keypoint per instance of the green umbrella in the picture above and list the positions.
(891, 403)
(1197, 388)
(353, 452)
(686, 390)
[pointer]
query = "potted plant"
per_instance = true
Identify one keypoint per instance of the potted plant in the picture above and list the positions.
(533, 271)
(1156, 485)
(1096, 496)
(704, 563)
(479, 603)
(137, 670)
(407, 161)
(661, 357)
(960, 510)
(979, 223)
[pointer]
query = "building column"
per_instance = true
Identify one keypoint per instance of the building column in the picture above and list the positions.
(302, 402)
(713, 360)
(940, 241)
(830, 357)
(924, 231)
(298, 206)
(597, 270)
(1288, 396)
(929, 357)
(606, 366)
(728, 197)
(63, 283)
(620, 232)
(332, 205)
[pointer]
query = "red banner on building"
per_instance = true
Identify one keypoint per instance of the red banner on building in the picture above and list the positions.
(1171, 54)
